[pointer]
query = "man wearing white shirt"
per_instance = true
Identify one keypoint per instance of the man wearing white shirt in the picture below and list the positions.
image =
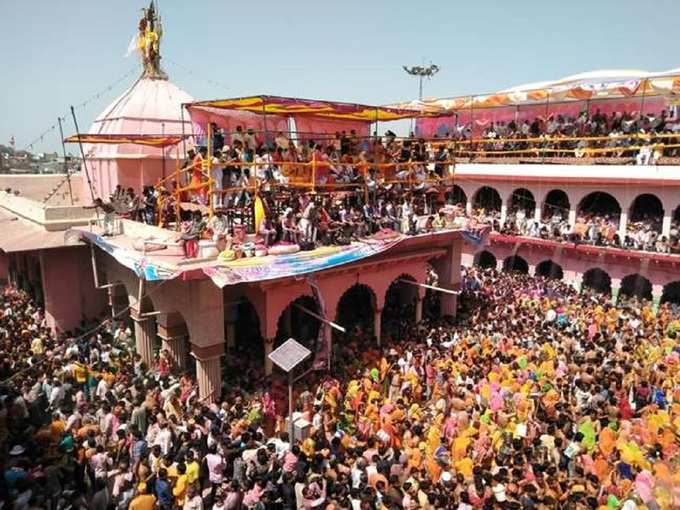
(102, 388)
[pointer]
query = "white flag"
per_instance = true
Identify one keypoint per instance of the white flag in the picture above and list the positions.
(132, 46)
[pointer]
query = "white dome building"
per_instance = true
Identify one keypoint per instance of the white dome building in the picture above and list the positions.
(151, 106)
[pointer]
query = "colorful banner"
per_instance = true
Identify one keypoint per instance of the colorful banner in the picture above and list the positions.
(138, 262)
(294, 264)
(285, 106)
(476, 237)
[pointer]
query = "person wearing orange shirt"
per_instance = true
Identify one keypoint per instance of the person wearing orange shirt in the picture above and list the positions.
(144, 500)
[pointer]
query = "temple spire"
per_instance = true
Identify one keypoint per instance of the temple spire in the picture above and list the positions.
(149, 42)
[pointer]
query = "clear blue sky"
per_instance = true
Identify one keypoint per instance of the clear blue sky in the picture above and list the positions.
(58, 53)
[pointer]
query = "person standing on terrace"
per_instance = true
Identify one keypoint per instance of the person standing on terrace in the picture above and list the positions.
(109, 214)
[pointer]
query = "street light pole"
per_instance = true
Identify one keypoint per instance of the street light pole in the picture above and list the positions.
(421, 72)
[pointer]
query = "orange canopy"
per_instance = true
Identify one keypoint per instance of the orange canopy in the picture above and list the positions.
(148, 140)
(288, 106)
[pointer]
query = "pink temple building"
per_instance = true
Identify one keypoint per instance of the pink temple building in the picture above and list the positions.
(203, 312)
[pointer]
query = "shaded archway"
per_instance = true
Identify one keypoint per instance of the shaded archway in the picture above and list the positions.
(600, 203)
(456, 196)
(676, 214)
(296, 323)
(635, 285)
(556, 203)
(597, 280)
(120, 304)
(516, 264)
(399, 311)
(522, 200)
(245, 343)
(356, 311)
(549, 269)
(671, 293)
(487, 198)
(485, 259)
(647, 208)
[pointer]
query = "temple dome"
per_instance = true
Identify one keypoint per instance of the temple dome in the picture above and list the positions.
(151, 106)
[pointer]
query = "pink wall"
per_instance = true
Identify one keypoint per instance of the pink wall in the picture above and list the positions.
(68, 288)
(134, 173)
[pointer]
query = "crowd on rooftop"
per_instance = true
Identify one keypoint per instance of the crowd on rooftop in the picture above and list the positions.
(536, 397)
(643, 138)
(362, 186)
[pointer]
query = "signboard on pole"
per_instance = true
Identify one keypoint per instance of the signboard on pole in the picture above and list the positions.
(289, 355)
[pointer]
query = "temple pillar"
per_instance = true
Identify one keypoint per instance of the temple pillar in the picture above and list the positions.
(268, 348)
(532, 270)
(173, 333)
(145, 333)
(538, 212)
(616, 287)
(419, 309)
(208, 371)
(377, 325)
(504, 213)
(623, 226)
(665, 227)
(577, 282)
(468, 207)
(177, 347)
(657, 293)
(572, 217)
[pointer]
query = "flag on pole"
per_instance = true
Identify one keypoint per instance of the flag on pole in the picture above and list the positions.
(132, 46)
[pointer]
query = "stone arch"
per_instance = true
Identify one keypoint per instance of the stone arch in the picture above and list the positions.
(356, 310)
(597, 280)
(671, 293)
(456, 196)
(550, 269)
(400, 305)
(516, 264)
(522, 199)
(676, 214)
(487, 198)
(120, 303)
(648, 208)
(485, 259)
(556, 203)
(295, 323)
(246, 342)
(636, 285)
(600, 203)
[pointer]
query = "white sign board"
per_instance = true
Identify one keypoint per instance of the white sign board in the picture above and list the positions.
(289, 355)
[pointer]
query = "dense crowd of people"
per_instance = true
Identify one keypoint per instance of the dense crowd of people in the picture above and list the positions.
(643, 138)
(535, 397)
(596, 228)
